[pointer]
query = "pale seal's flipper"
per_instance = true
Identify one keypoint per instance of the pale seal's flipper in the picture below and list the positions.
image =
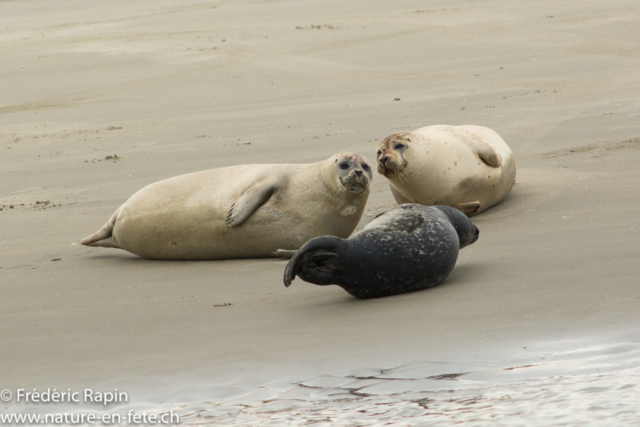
(104, 236)
(285, 253)
(248, 203)
(469, 209)
(486, 152)
(407, 248)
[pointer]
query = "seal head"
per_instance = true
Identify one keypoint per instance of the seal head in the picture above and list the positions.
(348, 172)
(390, 154)
(468, 233)
(347, 176)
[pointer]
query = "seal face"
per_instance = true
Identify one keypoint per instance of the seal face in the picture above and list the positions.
(240, 211)
(467, 167)
(405, 249)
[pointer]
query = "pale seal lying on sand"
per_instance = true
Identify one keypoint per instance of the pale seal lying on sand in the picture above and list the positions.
(242, 211)
(407, 248)
(468, 167)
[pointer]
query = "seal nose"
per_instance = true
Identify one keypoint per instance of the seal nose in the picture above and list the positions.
(358, 172)
(383, 160)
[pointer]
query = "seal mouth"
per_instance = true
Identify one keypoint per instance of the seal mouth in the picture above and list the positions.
(357, 188)
(354, 185)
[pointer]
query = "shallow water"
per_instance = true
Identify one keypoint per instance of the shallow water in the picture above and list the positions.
(571, 383)
(594, 385)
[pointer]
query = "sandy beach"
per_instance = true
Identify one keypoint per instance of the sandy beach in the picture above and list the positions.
(99, 99)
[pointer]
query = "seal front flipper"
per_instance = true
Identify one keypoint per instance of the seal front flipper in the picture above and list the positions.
(315, 262)
(248, 203)
(487, 153)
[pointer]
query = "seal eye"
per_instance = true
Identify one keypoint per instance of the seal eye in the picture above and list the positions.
(398, 146)
(344, 166)
(379, 152)
(365, 166)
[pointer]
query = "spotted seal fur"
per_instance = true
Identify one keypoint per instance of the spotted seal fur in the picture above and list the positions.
(407, 248)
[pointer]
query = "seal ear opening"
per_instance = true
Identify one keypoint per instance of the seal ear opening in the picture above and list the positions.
(316, 262)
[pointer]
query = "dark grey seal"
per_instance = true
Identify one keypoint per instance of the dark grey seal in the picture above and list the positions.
(404, 249)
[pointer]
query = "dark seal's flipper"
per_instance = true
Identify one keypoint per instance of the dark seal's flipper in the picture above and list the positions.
(316, 262)
(248, 203)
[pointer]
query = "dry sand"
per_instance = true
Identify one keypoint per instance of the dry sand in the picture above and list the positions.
(171, 87)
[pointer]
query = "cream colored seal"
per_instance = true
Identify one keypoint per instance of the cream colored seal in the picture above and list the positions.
(245, 211)
(467, 167)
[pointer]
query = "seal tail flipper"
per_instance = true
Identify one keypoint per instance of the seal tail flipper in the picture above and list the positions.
(285, 253)
(104, 236)
(469, 209)
(316, 262)
(312, 267)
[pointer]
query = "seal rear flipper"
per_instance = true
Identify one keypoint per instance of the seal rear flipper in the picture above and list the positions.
(248, 203)
(285, 253)
(316, 267)
(104, 236)
(104, 243)
(469, 209)
(316, 262)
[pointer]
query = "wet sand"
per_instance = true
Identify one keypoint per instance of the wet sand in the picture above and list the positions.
(98, 100)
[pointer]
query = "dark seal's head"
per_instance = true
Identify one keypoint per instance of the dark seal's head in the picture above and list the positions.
(468, 233)
(316, 262)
